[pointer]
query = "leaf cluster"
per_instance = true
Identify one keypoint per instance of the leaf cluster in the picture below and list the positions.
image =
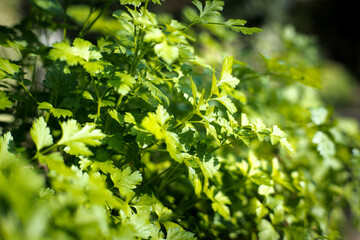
(137, 135)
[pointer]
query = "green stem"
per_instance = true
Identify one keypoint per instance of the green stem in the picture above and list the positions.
(168, 178)
(224, 145)
(190, 25)
(86, 22)
(47, 116)
(88, 27)
(138, 42)
(98, 97)
(43, 152)
(65, 19)
(142, 150)
(146, 4)
(186, 118)
(213, 23)
(144, 52)
(98, 109)
(48, 149)
(157, 176)
(200, 122)
(108, 118)
(33, 73)
(28, 92)
(118, 103)
(64, 31)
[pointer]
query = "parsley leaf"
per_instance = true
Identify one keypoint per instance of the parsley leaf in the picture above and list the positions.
(211, 8)
(4, 101)
(40, 133)
(126, 180)
(226, 77)
(267, 231)
(7, 68)
(176, 233)
(82, 52)
(56, 112)
(76, 138)
(325, 146)
(169, 53)
(5, 155)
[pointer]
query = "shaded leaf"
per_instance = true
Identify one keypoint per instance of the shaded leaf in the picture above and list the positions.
(52, 6)
(157, 93)
(296, 233)
(237, 25)
(122, 82)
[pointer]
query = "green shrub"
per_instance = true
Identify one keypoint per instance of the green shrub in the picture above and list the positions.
(134, 130)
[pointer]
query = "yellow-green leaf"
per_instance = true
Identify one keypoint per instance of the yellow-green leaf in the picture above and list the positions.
(40, 134)
(169, 53)
(126, 180)
(77, 138)
(4, 101)
(267, 231)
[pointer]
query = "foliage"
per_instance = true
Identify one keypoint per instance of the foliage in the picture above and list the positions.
(139, 135)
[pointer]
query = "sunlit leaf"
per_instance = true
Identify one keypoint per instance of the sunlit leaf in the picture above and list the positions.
(76, 138)
(169, 53)
(267, 231)
(179, 234)
(40, 133)
(56, 112)
(7, 68)
(325, 146)
(126, 180)
(4, 101)
(226, 77)
(219, 204)
(5, 155)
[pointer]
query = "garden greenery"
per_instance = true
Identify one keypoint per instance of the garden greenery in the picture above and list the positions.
(127, 127)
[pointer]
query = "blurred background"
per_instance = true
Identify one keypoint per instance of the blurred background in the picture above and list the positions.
(331, 25)
(334, 27)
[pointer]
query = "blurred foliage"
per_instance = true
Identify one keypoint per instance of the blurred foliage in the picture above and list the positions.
(139, 126)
